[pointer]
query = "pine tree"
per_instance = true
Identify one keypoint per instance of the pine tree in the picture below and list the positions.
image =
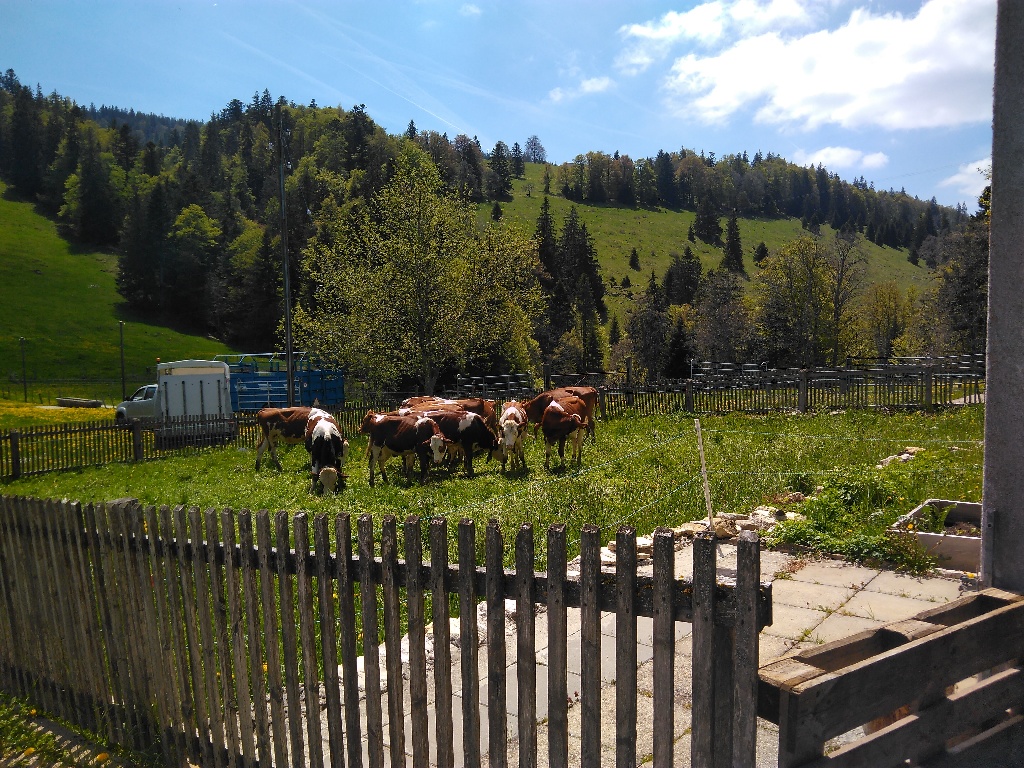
(680, 352)
(614, 332)
(760, 253)
(683, 278)
(634, 260)
(501, 165)
(706, 225)
(733, 257)
(518, 164)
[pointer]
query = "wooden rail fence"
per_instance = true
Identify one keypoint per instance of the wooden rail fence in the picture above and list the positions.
(943, 688)
(225, 639)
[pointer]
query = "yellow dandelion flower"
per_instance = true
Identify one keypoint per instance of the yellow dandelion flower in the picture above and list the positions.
(265, 667)
(32, 712)
(28, 751)
(102, 757)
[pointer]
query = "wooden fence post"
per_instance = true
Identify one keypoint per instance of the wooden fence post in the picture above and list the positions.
(688, 398)
(928, 379)
(15, 454)
(801, 398)
(136, 440)
(703, 741)
(601, 403)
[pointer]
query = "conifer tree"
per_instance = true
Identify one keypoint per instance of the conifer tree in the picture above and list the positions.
(733, 258)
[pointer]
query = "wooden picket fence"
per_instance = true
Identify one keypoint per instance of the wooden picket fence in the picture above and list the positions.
(199, 636)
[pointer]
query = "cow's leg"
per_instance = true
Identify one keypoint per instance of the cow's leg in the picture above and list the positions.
(520, 453)
(547, 453)
(373, 452)
(467, 450)
(260, 449)
(273, 453)
(577, 445)
(561, 449)
(424, 454)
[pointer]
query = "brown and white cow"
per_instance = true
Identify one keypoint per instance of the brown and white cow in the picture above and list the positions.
(564, 419)
(407, 436)
(281, 425)
(535, 406)
(465, 431)
(328, 450)
(511, 431)
(479, 405)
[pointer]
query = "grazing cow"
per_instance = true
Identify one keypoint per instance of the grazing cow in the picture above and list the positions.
(328, 450)
(464, 430)
(535, 407)
(280, 425)
(478, 405)
(408, 436)
(561, 420)
(511, 431)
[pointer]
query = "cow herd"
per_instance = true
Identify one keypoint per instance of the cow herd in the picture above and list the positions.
(434, 431)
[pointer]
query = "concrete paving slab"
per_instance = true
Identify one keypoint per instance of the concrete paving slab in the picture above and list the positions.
(836, 573)
(936, 590)
(883, 607)
(804, 594)
(682, 674)
(838, 626)
(793, 622)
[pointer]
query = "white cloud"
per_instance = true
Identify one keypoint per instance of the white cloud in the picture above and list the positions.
(933, 69)
(708, 24)
(586, 87)
(470, 10)
(874, 160)
(841, 157)
(970, 178)
(595, 85)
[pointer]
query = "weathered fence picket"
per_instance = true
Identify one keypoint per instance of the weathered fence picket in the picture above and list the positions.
(173, 632)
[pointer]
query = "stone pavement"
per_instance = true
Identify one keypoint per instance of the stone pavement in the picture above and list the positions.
(814, 602)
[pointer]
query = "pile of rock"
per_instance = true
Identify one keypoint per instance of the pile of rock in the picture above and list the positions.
(904, 456)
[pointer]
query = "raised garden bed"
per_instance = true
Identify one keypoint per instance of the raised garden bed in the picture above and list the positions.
(948, 530)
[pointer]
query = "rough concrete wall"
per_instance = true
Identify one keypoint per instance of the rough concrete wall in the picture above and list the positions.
(1003, 492)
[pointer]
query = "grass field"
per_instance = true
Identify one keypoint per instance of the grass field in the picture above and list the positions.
(62, 300)
(642, 471)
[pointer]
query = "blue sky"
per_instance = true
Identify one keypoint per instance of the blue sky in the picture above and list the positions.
(898, 91)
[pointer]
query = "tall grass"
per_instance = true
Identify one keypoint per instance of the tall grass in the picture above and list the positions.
(642, 471)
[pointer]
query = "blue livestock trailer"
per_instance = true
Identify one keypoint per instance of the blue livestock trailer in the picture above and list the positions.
(260, 380)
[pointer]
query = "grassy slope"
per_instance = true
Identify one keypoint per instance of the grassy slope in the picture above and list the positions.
(64, 302)
(617, 230)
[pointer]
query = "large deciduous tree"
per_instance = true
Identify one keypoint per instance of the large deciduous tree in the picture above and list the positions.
(722, 324)
(409, 292)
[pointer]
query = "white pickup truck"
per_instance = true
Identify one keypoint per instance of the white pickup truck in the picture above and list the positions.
(183, 388)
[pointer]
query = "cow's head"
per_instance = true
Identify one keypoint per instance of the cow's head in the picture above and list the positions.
(368, 420)
(509, 433)
(328, 479)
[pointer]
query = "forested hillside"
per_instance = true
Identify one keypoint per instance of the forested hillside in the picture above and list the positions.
(412, 256)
